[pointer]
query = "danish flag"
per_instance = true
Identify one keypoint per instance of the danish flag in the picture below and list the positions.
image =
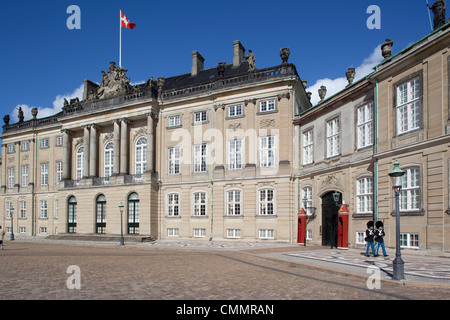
(125, 22)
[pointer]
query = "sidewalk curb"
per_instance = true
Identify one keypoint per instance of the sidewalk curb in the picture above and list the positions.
(403, 283)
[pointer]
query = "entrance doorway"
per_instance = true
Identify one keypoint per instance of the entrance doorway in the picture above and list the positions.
(330, 212)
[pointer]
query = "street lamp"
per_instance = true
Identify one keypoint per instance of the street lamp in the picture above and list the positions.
(336, 197)
(11, 210)
(398, 266)
(121, 224)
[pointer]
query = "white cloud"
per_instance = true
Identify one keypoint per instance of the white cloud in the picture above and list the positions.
(338, 84)
(46, 112)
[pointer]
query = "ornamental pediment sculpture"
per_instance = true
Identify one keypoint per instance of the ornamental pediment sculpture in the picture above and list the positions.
(114, 83)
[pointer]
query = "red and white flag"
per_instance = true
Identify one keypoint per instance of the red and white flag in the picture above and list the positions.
(125, 22)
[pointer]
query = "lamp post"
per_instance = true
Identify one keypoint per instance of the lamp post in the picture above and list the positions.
(398, 266)
(11, 210)
(121, 224)
(305, 206)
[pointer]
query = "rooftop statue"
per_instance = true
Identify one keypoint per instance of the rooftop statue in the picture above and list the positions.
(114, 82)
(438, 9)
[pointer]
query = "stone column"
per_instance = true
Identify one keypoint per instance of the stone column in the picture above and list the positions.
(93, 156)
(66, 163)
(150, 143)
(123, 147)
(4, 167)
(116, 154)
(86, 145)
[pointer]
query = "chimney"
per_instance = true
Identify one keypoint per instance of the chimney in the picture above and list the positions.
(239, 53)
(197, 63)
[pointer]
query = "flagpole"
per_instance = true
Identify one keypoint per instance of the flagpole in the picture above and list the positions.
(120, 41)
(429, 15)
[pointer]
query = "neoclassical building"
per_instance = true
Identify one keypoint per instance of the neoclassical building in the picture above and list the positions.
(350, 141)
(207, 155)
(233, 153)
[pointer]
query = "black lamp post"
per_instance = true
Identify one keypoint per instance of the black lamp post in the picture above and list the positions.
(121, 224)
(11, 210)
(398, 266)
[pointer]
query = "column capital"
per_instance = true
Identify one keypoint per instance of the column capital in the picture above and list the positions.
(67, 131)
(153, 114)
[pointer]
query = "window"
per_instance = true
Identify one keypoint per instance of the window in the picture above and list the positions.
(267, 105)
(360, 236)
(44, 143)
(200, 117)
(174, 160)
(233, 233)
(266, 202)
(174, 121)
(409, 240)
(109, 159)
(307, 194)
(308, 234)
(56, 208)
(200, 204)
(235, 111)
(25, 146)
(11, 148)
(44, 174)
(43, 209)
(22, 209)
(266, 234)
(410, 194)
(200, 158)
(11, 179)
(308, 147)
(141, 155)
(59, 141)
(133, 214)
(100, 226)
(8, 209)
(43, 230)
(80, 156)
(72, 215)
(408, 106)
(267, 151)
(173, 204)
(365, 125)
(364, 198)
(333, 137)
(235, 154)
(59, 171)
(173, 232)
(25, 176)
(199, 233)
(234, 199)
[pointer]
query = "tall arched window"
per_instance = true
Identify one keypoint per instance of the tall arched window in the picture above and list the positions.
(133, 214)
(72, 215)
(79, 166)
(100, 226)
(141, 155)
(109, 160)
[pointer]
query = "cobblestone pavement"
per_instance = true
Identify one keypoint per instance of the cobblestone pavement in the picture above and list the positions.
(38, 270)
(417, 266)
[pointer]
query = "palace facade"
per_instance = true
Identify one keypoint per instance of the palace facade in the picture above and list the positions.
(206, 155)
(233, 153)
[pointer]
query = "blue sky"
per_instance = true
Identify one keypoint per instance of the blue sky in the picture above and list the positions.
(43, 61)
